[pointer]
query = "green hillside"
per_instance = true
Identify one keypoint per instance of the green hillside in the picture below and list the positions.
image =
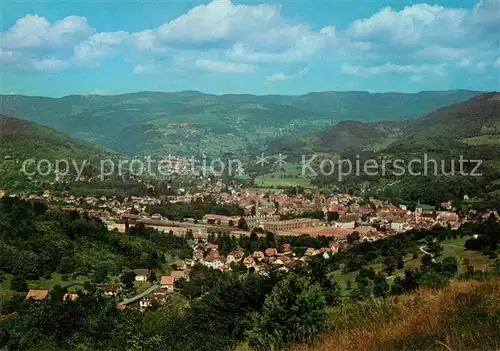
(477, 116)
(473, 122)
(191, 122)
(21, 140)
(340, 137)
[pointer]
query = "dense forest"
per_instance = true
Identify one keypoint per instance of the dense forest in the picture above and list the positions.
(36, 242)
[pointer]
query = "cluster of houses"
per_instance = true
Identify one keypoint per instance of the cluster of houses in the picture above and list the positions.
(258, 261)
(372, 218)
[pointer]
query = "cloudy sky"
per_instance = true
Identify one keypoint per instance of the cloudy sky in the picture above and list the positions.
(55, 48)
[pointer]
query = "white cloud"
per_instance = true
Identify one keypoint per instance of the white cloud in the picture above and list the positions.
(496, 64)
(143, 69)
(480, 66)
(34, 31)
(147, 40)
(410, 26)
(234, 38)
(465, 62)
(99, 46)
(50, 65)
(97, 92)
(392, 68)
(416, 78)
(219, 20)
(6, 56)
(277, 77)
(224, 66)
(237, 33)
(280, 76)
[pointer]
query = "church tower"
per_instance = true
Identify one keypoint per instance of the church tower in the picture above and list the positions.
(258, 221)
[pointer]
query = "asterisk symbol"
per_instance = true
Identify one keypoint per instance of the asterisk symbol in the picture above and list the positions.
(280, 159)
(262, 160)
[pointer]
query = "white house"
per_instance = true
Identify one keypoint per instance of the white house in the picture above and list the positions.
(211, 262)
(110, 290)
(398, 226)
(144, 303)
(141, 275)
(345, 225)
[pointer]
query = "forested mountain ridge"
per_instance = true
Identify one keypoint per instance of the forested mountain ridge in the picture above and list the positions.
(475, 121)
(186, 122)
(21, 141)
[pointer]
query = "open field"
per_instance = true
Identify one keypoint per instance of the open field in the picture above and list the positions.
(289, 175)
(487, 139)
(46, 284)
(276, 180)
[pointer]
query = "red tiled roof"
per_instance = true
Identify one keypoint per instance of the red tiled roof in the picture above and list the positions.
(271, 252)
(167, 280)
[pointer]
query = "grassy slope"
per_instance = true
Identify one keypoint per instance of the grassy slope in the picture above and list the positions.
(451, 248)
(461, 316)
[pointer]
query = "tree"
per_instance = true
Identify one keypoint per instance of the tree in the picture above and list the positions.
(400, 262)
(67, 265)
(353, 237)
(389, 265)
(362, 290)
(152, 276)
(426, 260)
(410, 282)
(18, 283)
(449, 266)
(433, 279)
(242, 224)
(434, 247)
(100, 274)
(332, 216)
(477, 244)
(239, 267)
(128, 279)
(57, 293)
(380, 286)
(294, 310)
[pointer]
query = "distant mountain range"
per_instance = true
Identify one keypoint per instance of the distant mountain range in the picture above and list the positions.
(472, 122)
(193, 123)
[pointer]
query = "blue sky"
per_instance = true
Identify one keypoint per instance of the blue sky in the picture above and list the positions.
(54, 48)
